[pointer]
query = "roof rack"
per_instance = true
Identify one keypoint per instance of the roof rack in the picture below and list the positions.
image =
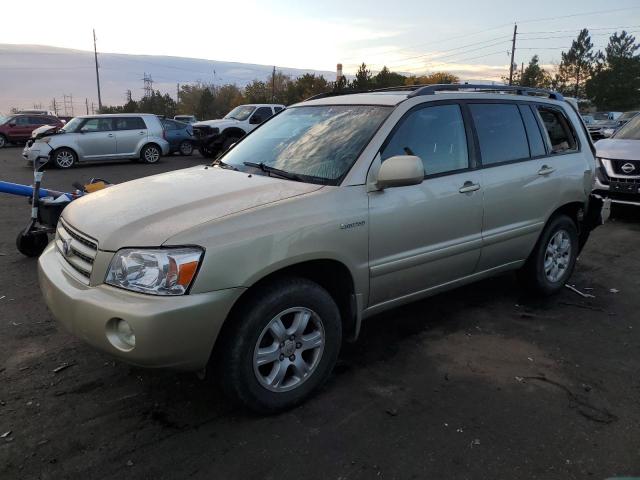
(454, 87)
(431, 89)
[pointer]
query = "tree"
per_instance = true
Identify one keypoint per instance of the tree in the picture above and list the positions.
(386, 78)
(256, 92)
(432, 79)
(615, 85)
(577, 65)
(534, 75)
(362, 81)
(205, 108)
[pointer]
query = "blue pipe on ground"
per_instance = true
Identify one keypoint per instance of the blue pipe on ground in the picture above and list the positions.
(26, 190)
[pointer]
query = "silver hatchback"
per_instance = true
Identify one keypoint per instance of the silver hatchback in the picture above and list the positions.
(99, 137)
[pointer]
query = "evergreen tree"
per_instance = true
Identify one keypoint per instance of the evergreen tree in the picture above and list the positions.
(363, 79)
(534, 75)
(577, 65)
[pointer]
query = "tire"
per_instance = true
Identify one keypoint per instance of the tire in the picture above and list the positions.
(150, 153)
(3, 141)
(186, 148)
(208, 152)
(553, 259)
(32, 244)
(251, 330)
(64, 158)
(226, 145)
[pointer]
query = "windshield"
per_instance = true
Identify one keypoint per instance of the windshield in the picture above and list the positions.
(4, 120)
(72, 125)
(631, 130)
(627, 115)
(320, 143)
(240, 113)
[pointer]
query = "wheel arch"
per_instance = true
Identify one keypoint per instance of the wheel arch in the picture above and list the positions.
(56, 149)
(332, 275)
(233, 132)
(147, 144)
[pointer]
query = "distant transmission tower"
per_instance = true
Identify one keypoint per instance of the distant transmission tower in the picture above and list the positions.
(148, 85)
(68, 105)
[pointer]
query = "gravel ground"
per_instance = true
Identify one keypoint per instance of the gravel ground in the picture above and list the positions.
(480, 382)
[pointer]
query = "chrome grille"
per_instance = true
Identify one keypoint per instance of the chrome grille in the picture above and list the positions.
(78, 250)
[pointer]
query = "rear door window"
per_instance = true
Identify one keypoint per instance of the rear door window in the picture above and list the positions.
(536, 143)
(22, 121)
(436, 135)
(130, 123)
(501, 132)
(560, 135)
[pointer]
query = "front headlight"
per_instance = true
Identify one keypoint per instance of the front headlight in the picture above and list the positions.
(167, 271)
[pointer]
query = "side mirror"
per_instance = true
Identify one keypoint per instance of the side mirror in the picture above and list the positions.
(255, 120)
(400, 171)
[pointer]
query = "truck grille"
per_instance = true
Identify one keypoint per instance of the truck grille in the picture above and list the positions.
(617, 165)
(78, 250)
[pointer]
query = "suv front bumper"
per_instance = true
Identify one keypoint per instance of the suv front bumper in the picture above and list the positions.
(170, 332)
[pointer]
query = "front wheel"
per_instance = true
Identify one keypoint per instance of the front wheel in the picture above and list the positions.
(32, 244)
(3, 141)
(150, 154)
(281, 346)
(554, 257)
(64, 158)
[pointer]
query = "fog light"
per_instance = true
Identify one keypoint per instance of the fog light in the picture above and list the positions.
(120, 334)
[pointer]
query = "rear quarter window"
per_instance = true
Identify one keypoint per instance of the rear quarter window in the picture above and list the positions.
(558, 130)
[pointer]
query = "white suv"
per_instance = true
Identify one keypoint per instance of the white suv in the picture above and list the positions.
(216, 136)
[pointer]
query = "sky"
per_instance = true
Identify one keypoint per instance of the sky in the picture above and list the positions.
(471, 38)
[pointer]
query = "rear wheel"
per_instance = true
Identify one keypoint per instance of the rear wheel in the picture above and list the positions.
(186, 148)
(226, 145)
(150, 154)
(554, 257)
(64, 158)
(281, 346)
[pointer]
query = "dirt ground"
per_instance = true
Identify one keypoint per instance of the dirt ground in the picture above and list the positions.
(480, 382)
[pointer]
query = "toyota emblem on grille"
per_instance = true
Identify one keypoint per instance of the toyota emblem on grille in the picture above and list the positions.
(66, 247)
(628, 168)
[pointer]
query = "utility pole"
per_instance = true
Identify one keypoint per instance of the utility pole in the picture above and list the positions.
(273, 85)
(177, 94)
(95, 56)
(513, 53)
(148, 85)
(86, 103)
(55, 107)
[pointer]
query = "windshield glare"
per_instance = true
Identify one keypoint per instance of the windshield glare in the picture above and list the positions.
(72, 125)
(4, 120)
(240, 113)
(320, 143)
(631, 131)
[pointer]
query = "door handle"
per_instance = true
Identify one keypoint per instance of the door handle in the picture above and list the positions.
(141, 133)
(110, 135)
(546, 170)
(469, 187)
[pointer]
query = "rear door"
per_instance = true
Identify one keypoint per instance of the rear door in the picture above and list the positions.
(97, 139)
(517, 191)
(131, 132)
(426, 235)
(173, 132)
(21, 129)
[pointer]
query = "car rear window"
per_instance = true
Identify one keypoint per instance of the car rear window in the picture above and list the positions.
(501, 132)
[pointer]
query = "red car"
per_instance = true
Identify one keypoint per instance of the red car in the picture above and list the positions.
(18, 128)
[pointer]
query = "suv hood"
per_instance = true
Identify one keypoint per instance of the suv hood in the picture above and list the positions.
(615, 149)
(148, 211)
(221, 124)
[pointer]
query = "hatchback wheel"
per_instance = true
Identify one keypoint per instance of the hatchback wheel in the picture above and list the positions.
(150, 154)
(64, 158)
(186, 148)
(554, 257)
(282, 345)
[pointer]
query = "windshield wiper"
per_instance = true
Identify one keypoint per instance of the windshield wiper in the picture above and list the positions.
(276, 171)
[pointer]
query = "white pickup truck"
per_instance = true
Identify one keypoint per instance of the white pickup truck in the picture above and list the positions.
(216, 136)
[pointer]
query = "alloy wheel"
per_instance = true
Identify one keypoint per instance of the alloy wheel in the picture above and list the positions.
(64, 159)
(151, 155)
(557, 256)
(289, 349)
